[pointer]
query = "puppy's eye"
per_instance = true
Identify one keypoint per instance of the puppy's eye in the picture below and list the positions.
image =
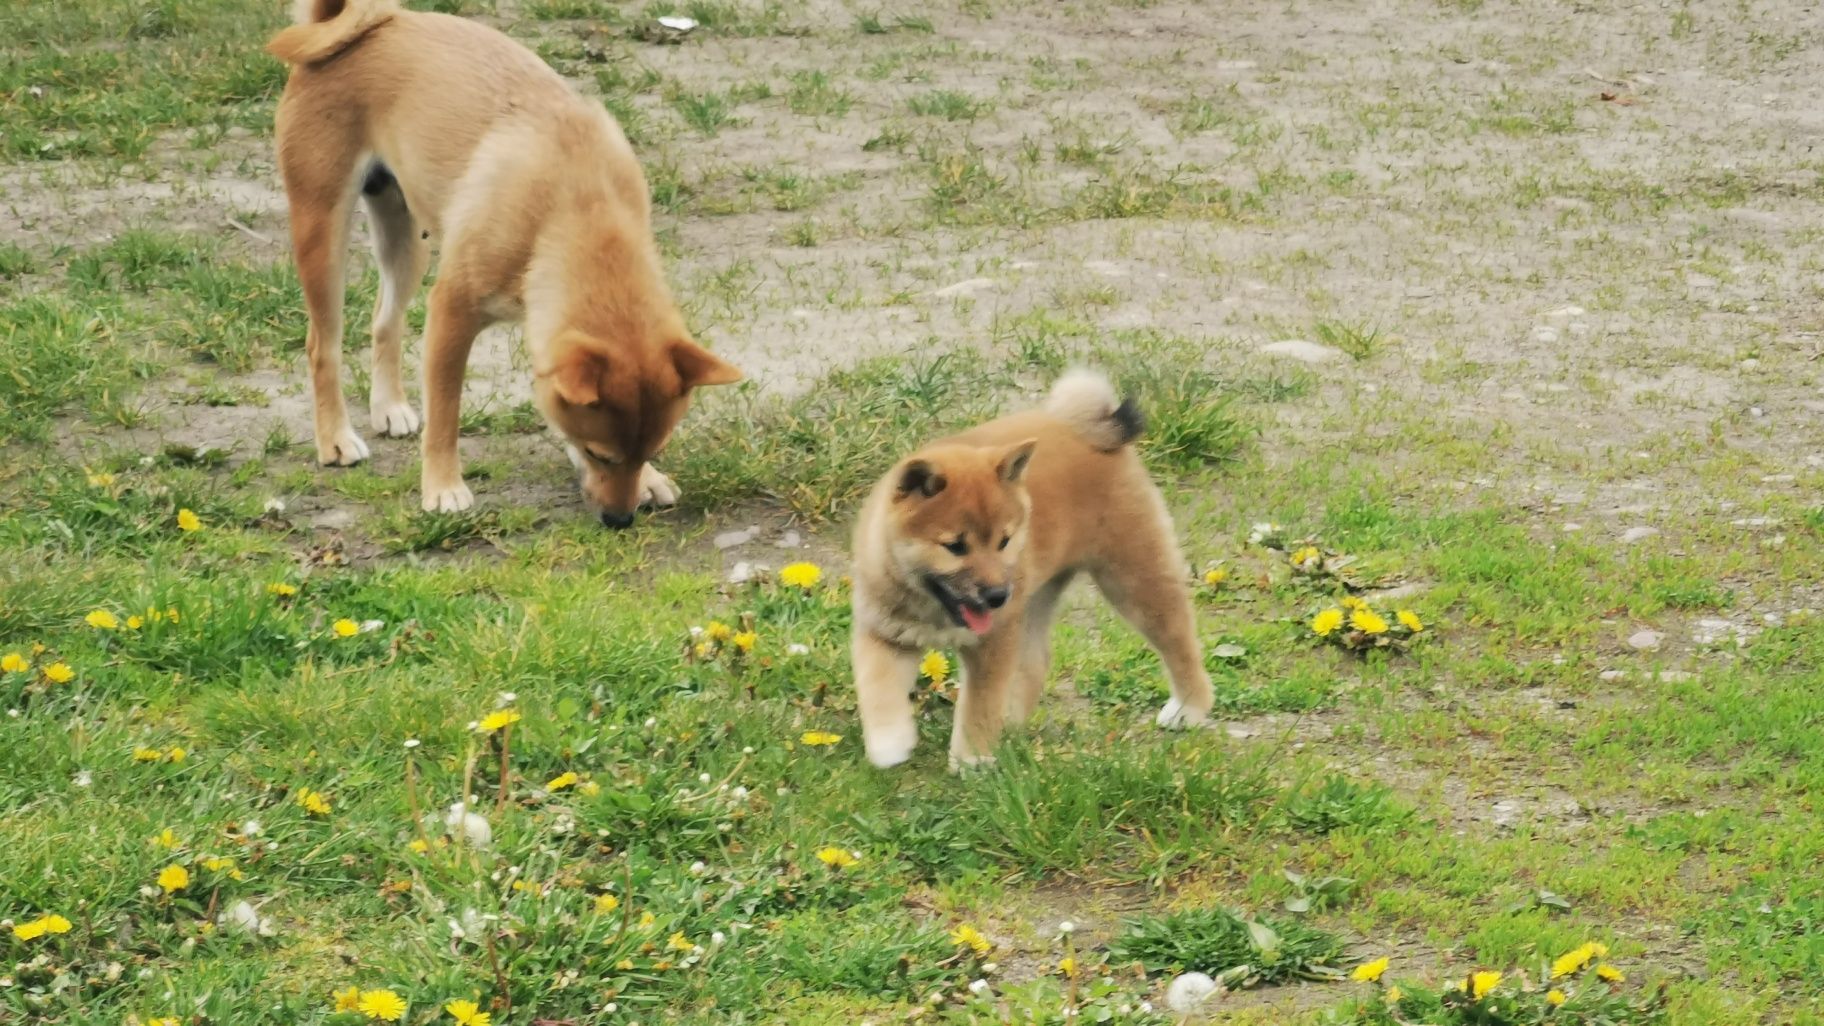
(606, 461)
(1005, 538)
(959, 547)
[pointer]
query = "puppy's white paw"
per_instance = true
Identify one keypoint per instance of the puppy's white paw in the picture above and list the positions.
(961, 764)
(341, 448)
(656, 489)
(890, 746)
(1177, 716)
(393, 418)
(448, 498)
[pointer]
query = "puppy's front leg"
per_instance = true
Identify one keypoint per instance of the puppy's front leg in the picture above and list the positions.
(449, 332)
(981, 704)
(884, 678)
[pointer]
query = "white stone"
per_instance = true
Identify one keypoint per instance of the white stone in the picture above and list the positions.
(1634, 534)
(1646, 641)
(1566, 311)
(964, 288)
(730, 539)
(1302, 350)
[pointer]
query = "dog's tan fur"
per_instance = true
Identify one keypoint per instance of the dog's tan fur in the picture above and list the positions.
(1065, 489)
(541, 215)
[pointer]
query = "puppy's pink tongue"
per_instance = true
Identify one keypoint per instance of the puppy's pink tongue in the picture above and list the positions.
(976, 619)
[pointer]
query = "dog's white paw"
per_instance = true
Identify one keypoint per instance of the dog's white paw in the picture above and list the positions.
(1177, 716)
(448, 498)
(341, 448)
(961, 764)
(393, 418)
(890, 746)
(656, 489)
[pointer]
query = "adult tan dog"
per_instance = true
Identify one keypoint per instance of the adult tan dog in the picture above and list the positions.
(446, 129)
(969, 543)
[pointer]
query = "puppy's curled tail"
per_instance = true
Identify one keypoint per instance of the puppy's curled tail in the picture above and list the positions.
(327, 27)
(1088, 403)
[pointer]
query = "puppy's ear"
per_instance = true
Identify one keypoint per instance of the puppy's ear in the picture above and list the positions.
(1013, 463)
(698, 367)
(578, 376)
(920, 478)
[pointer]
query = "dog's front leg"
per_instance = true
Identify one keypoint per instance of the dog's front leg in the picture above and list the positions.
(981, 703)
(449, 332)
(884, 678)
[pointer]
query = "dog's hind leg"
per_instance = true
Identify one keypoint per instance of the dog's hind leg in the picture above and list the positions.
(403, 256)
(320, 185)
(1144, 581)
(1035, 652)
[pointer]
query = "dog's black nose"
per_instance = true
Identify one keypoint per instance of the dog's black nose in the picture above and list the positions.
(615, 520)
(994, 597)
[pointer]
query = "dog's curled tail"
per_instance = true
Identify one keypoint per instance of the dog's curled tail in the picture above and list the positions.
(1088, 403)
(327, 27)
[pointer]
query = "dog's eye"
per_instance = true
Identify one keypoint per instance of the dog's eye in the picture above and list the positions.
(959, 547)
(1005, 538)
(606, 461)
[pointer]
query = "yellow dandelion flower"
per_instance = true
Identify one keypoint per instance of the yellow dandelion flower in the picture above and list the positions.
(1609, 973)
(1369, 972)
(966, 936)
(624, 965)
(1394, 994)
(102, 620)
(499, 719)
(836, 858)
(589, 787)
(1409, 620)
(606, 903)
(313, 802)
(172, 1020)
(171, 613)
(13, 662)
(1577, 959)
(745, 640)
(817, 738)
(1351, 602)
(1067, 965)
(528, 885)
(1308, 554)
(135, 623)
(718, 631)
(1215, 576)
(467, 1013)
(54, 923)
(176, 755)
(29, 931)
(1555, 997)
(382, 1004)
(347, 1000)
(147, 755)
(935, 666)
(418, 845)
(173, 878)
(102, 480)
(1367, 621)
(1325, 623)
(167, 839)
(678, 942)
(345, 628)
(217, 864)
(703, 650)
(561, 781)
(188, 521)
(1483, 982)
(647, 919)
(281, 589)
(801, 575)
(59, 673)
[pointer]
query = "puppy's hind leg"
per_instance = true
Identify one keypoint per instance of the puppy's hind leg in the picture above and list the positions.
(320, 187)
(403, 255)
(884, 678)
(1035, 651)
(1145, 583)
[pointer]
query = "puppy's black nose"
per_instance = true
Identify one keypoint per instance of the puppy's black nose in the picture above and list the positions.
(618, 521)
(994, 597)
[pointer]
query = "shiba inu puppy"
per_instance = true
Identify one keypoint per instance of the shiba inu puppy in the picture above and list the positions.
(446, 129)
(969, 543)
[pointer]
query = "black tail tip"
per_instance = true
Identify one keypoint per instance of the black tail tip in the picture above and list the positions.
(1129, 419)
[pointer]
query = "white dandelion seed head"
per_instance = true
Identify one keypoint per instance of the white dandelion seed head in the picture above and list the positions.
(1067, 927)
(411, 742)
(978, 987)
(702, 778)
(508, 698)
(83, 778)
(797, 649)
(698, 869)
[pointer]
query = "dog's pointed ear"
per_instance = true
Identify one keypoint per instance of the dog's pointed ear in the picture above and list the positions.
(578, 376)
(1013, 462)
(920, 478)
(698, 367)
